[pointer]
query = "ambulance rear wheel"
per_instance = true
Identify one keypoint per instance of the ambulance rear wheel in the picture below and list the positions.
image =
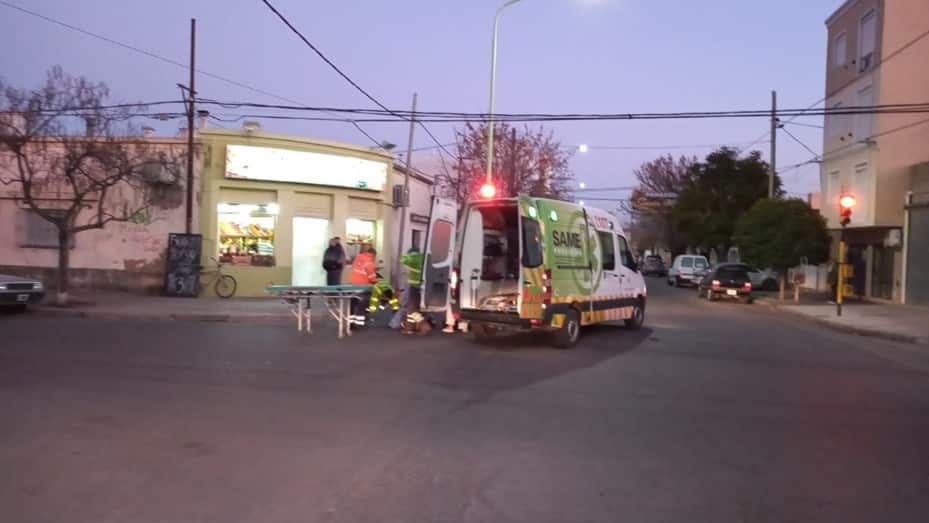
(566, 337)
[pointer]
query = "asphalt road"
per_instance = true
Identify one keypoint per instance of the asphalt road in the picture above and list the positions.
(715, 412)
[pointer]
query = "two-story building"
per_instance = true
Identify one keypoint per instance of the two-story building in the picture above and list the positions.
(875, 57)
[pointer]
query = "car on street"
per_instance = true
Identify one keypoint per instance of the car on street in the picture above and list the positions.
(763, 279)
(686, 269)
(17, 293)
(726, 280)
(653, 265)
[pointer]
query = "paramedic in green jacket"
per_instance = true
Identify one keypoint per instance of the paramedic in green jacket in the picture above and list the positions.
(413, 260)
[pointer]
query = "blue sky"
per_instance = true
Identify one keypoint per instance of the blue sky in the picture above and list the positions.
(554, 56)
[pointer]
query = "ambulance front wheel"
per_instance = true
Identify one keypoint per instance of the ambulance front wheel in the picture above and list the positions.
(638, 316)
(566, 337)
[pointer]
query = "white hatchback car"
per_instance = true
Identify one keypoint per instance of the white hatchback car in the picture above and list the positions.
(687, 269)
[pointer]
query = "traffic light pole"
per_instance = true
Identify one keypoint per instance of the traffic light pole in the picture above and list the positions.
(840, 277)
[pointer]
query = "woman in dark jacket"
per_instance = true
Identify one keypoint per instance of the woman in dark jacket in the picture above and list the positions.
(333, 262)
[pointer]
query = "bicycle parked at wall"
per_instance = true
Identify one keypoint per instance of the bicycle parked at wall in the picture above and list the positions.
(224, 285)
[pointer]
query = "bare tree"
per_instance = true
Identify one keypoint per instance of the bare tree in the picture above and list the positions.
(660, 181)
(72, 161)
(533, 163)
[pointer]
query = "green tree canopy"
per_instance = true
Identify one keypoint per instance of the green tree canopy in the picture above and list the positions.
(721, 189)
(780, 233)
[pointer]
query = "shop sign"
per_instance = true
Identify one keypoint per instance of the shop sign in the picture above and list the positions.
(245, 162)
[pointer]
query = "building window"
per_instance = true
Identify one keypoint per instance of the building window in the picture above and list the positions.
(37, 232)
(860, 183)
(609, 251)
(835, 123)
(863, 120)
(832, 188)
(246, 233)
(867, 38)
(840, 51)
(417, 239)
(358, 234)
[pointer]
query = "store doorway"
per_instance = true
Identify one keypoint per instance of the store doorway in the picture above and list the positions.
(311, 236)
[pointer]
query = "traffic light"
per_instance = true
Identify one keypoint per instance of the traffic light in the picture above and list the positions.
(846, 203)
(488, 191)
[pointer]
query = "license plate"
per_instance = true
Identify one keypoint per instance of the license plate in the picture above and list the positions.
(732, 292)
(22, 297)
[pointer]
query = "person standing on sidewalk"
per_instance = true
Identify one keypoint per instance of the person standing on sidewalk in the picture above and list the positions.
(334, 261)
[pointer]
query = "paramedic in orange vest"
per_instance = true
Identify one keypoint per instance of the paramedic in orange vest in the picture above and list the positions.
(363, 272)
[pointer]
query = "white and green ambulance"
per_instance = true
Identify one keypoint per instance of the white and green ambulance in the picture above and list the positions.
(531, 263)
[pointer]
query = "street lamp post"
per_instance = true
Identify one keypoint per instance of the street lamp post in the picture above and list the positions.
(493, 84)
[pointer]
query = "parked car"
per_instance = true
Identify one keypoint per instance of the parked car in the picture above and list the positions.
(686, 269)
(18, 292)
(653, 265)
(763, 279)
(726, 280)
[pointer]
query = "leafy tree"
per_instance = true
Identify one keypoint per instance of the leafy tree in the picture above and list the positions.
(720, 190)
(660, 182)
(77, 181)
(780, 233)
(533, 163)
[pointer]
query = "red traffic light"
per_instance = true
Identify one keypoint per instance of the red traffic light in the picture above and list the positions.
(847, 201)
(488, 191)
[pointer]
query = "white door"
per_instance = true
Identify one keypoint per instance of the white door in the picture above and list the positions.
(633, 283)
(311, 237)
(439, 254)
(611, 284)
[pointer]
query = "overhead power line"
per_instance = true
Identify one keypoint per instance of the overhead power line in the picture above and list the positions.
(794, 138)
(347, 78)
(377, 115)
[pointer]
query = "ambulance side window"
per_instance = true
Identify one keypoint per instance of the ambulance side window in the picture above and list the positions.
(625, 254)
(532, 243)
(609, 251)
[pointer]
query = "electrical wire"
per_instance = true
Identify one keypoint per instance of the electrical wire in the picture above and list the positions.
(463, 117)
(805, 146)
(347, 78)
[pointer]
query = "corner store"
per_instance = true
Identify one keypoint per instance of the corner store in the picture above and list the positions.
(269, 204)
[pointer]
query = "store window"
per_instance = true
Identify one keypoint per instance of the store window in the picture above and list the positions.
(246, 233)
(358, 234)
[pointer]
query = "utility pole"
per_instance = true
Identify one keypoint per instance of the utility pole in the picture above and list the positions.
(773, 161)
(512, 182)
(405, 203)
(192, 93)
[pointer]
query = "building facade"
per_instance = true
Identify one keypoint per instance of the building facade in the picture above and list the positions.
(270, 204)
(121, 256)
(875, 57)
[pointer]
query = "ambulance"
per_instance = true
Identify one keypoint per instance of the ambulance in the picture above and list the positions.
(531, 263)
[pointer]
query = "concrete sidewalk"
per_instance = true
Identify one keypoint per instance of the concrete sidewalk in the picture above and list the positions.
(145, 307)
(893, 322)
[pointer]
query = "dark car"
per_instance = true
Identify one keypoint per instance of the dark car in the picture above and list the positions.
(653, 265)
(18, 292)
(726, 280)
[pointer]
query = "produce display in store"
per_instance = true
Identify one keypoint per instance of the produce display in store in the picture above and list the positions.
(249, 230)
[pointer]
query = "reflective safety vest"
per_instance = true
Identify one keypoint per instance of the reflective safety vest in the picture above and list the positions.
(363, 270)
(414, 261)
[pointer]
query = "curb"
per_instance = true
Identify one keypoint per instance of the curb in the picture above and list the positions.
(849, 329)
(191, 317)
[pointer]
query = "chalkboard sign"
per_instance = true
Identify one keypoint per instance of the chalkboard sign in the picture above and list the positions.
(183, 268)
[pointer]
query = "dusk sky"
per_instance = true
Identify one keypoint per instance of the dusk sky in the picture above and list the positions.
(554, 56)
